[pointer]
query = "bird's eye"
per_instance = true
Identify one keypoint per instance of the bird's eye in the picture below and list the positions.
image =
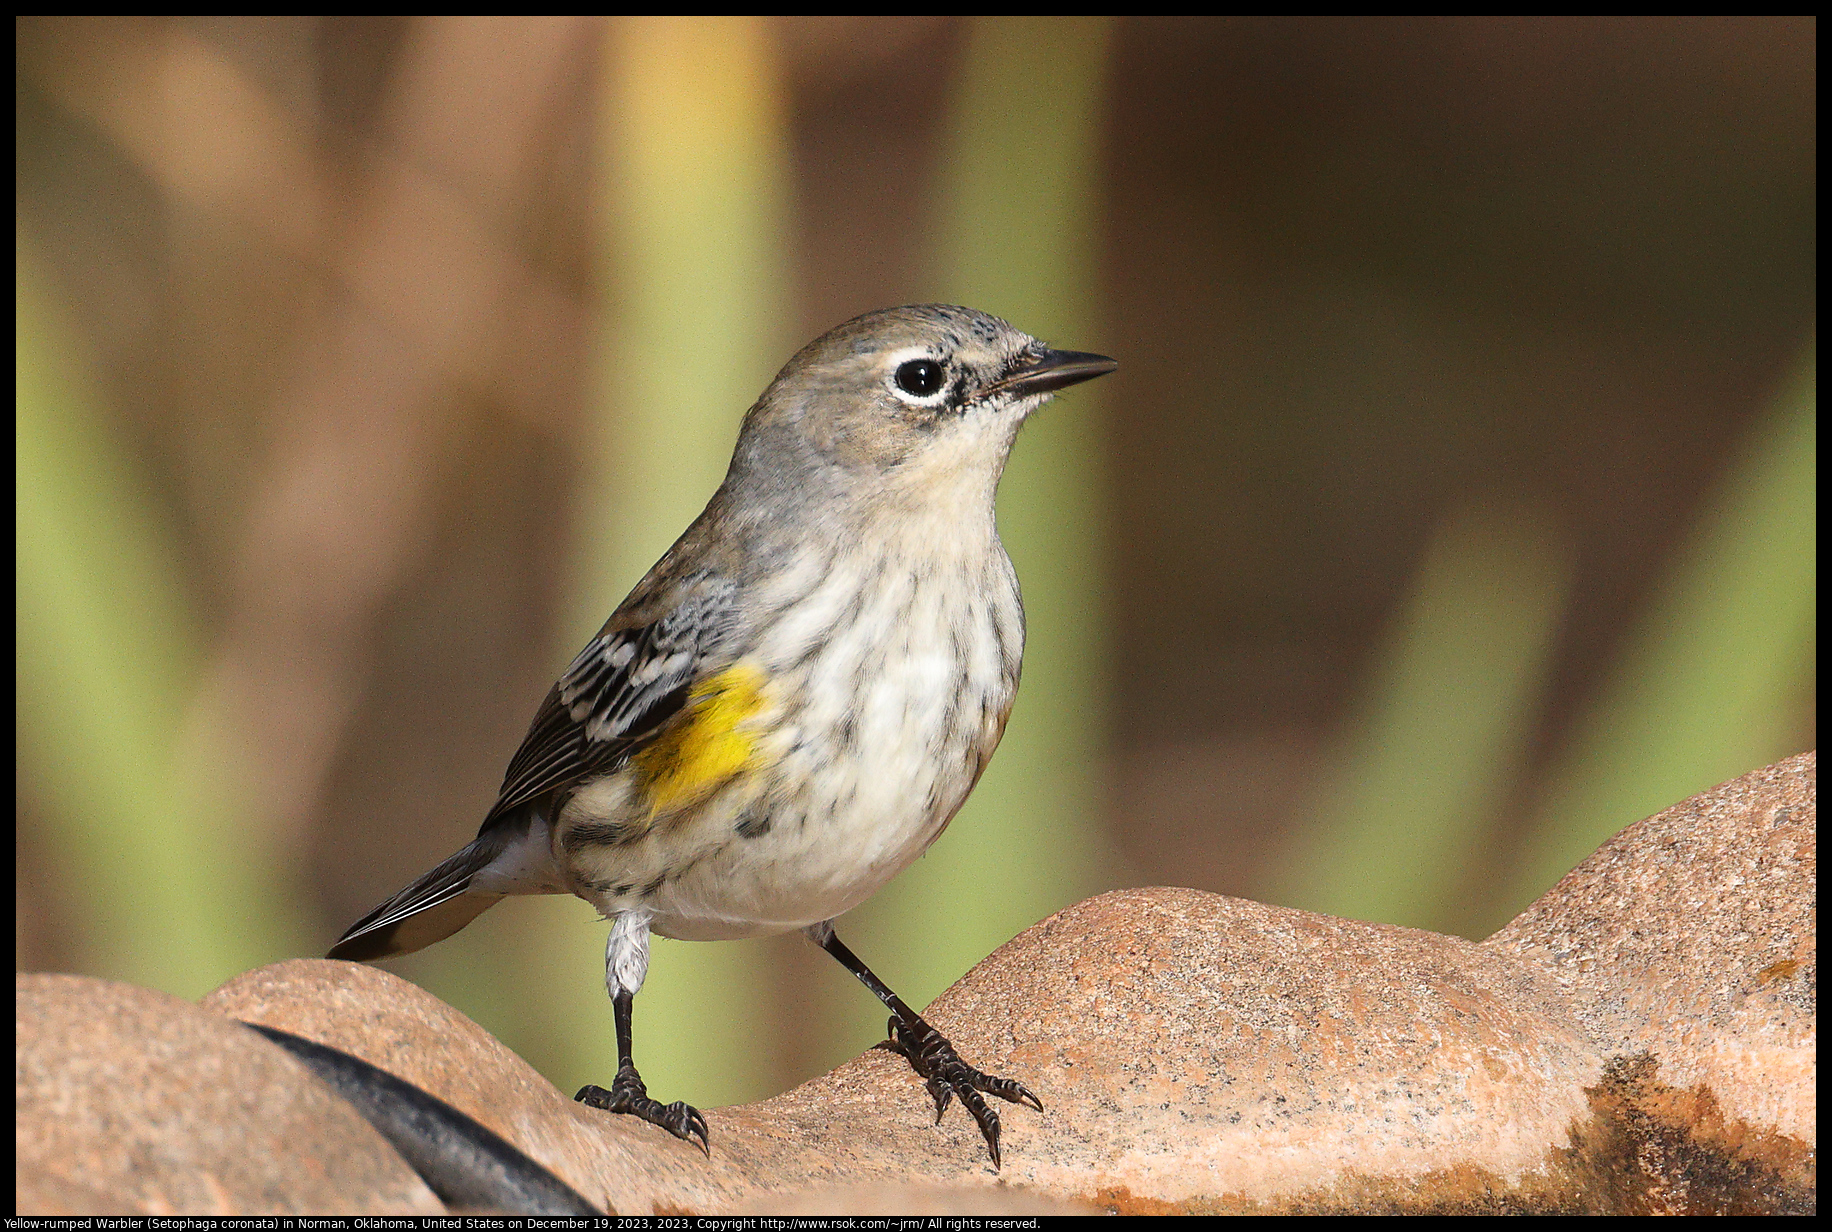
(919, 377)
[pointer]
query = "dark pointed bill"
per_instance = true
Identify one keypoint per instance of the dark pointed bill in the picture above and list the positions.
(1054, 370)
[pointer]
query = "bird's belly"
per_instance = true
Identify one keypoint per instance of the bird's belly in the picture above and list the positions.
(863, 756)
(806, 870)
(846, 806)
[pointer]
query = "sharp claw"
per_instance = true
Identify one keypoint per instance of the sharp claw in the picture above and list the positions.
(630, 1097)
(893, 1041)
(986, 1119)
(946, 1075)
(942, 1094)
(694, 1126)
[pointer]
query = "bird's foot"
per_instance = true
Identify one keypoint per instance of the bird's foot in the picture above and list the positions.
(946, 1075)
(629, 1095)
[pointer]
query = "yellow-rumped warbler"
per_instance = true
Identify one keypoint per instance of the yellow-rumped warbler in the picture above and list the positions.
(797, 699)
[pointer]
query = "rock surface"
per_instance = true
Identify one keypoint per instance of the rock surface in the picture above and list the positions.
(136, 1102)
(1685, 946)
(1690, 937)
(1640, 1040)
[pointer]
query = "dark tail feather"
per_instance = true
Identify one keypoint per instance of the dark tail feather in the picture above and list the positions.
(429, 910)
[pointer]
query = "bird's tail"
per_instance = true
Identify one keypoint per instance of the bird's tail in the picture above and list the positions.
(431, 909)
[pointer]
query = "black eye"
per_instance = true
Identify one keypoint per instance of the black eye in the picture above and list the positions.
(920, 377)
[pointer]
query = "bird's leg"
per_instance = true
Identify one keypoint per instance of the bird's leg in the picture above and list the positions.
(929, 1052)
(629, 1095)
(626, 963)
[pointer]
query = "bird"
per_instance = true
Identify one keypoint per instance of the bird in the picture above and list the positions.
(794, 702)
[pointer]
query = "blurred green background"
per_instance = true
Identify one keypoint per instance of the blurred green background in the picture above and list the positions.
(1452, 508)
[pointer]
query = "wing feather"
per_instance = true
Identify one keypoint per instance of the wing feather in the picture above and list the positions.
(626, 683)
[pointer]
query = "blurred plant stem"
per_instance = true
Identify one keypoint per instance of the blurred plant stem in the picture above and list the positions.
(174, 890)
(1020, 209)
(1440, 735)
(694, 210)
(1714, 680)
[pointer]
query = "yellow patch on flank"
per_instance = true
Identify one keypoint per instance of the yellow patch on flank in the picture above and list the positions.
(706, 744)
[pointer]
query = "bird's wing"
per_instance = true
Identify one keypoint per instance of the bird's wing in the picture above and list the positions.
(621, 688)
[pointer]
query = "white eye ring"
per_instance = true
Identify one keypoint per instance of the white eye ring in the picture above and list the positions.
(897, 361)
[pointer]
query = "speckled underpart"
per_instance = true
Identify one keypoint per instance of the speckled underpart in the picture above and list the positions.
(888, 690)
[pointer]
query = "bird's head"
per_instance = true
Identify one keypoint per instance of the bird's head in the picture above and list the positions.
(912, 402)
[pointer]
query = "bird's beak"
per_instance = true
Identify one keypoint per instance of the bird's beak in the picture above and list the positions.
(1052, 370)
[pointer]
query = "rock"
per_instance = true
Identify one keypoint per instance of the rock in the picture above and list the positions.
(1640, 1040)
(1685, 947)
(132, 1102)
(402, 1028)
(1194, 1050)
